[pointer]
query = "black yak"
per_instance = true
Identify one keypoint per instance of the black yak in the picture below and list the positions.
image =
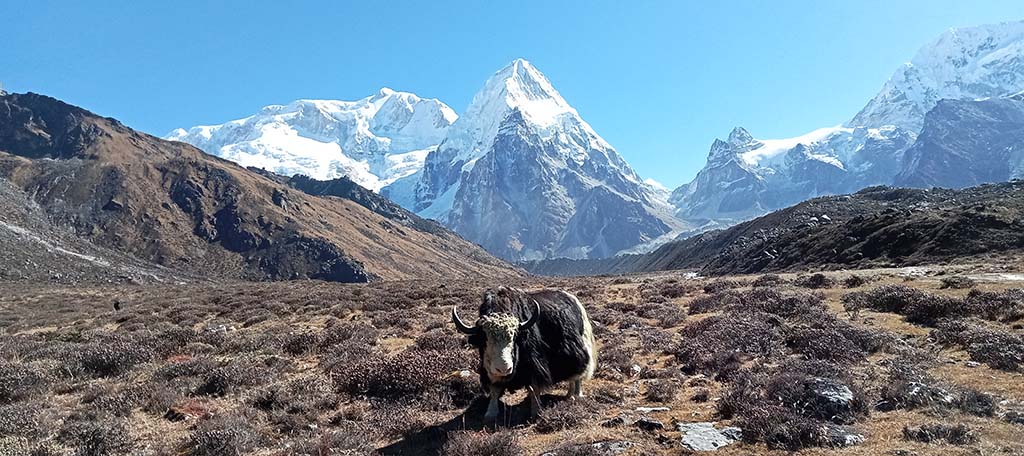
(531, 340)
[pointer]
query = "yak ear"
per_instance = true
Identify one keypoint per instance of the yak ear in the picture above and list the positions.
(533, 318)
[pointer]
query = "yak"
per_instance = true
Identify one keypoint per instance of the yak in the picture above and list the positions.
(532, 340)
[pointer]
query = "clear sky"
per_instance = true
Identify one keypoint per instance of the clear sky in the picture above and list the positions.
(658, 80)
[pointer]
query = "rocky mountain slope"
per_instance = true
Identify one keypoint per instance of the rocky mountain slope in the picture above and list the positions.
(373, 141)
(875, 227)
(169, 204)
(968, 142)
(745, 177)
(522, 174)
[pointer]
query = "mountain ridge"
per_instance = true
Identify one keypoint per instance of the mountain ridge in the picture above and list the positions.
(170, 204)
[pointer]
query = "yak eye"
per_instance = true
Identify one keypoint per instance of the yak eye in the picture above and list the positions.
(478, 340)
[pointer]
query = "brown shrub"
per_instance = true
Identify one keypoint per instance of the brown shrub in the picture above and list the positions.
(468, 443)
(815, 281)
(958, 282)
(956, 434)
(662, 390)
(568, 414)
(716, 344)
(769, 280)
(722, 285)
(411, 372)
(998, 348)
(227, 435)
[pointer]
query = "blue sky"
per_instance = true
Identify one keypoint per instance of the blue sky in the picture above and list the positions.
(659, 80)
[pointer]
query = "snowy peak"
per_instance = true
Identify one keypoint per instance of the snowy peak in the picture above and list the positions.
(721, 151)
(373, 141)
(521, 173)
(522, 86)
(740, 138)
(963, 63)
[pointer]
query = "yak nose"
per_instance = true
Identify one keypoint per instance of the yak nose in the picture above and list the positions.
(504, 370)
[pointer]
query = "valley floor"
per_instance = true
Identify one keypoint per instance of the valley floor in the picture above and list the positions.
(797, 362)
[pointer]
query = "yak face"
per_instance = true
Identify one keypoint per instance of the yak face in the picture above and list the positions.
(499, 354)
(494, 334)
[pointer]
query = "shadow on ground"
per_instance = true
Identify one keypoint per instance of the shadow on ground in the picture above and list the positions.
(431, 440)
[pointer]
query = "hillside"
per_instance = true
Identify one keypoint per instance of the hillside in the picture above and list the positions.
(876, 227)
(170, 205)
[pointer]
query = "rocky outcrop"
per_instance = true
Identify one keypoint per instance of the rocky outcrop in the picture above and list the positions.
(966, 143)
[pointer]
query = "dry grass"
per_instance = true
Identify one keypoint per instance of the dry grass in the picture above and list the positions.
(317, 368)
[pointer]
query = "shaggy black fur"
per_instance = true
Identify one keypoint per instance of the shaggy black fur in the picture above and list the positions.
(549, 352)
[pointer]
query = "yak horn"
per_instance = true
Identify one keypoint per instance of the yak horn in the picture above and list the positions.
(459, 324)
(533, 318)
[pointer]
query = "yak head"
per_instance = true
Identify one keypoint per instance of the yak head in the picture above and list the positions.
(495, 334)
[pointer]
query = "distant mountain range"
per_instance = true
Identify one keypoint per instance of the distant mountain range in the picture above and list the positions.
(87, 199)
(522, 174)
(746, 177)
(875, 227)
(373, 141)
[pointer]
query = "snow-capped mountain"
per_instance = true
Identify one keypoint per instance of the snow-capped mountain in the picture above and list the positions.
(745, 177)
(963, 63)
(521, 173)
(373, 141)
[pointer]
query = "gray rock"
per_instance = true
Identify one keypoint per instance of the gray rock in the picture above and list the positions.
(608, 447)
(841, 437)
(648, 424)
(620, 420)
(705, 437)
(830, 400)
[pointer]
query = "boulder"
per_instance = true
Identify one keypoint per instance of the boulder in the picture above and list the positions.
(705, 437)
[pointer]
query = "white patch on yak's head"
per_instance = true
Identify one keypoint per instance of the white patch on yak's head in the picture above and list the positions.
(499, 355)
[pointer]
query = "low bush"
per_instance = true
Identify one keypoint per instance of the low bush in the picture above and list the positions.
(228, 435)
(567, 414)
(468, 443)
(999, 349)
(815, 281)
(1004, 306)
(722, 285)
(917, 306)
(96, 438)
(716, 345)
(767, 300)
(855, 281)
(237, 373)
(300, 343)
(956, 434)
(109, 357)
(668, 315)
(17, 381)
(409, 373)
(958, 282)
(768, 280)
(20, 419)
(662, 390)
(615, 360)
(793, 406)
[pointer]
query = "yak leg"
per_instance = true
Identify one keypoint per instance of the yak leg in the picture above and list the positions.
(492, 407)
(576, 388)
(535, 393)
